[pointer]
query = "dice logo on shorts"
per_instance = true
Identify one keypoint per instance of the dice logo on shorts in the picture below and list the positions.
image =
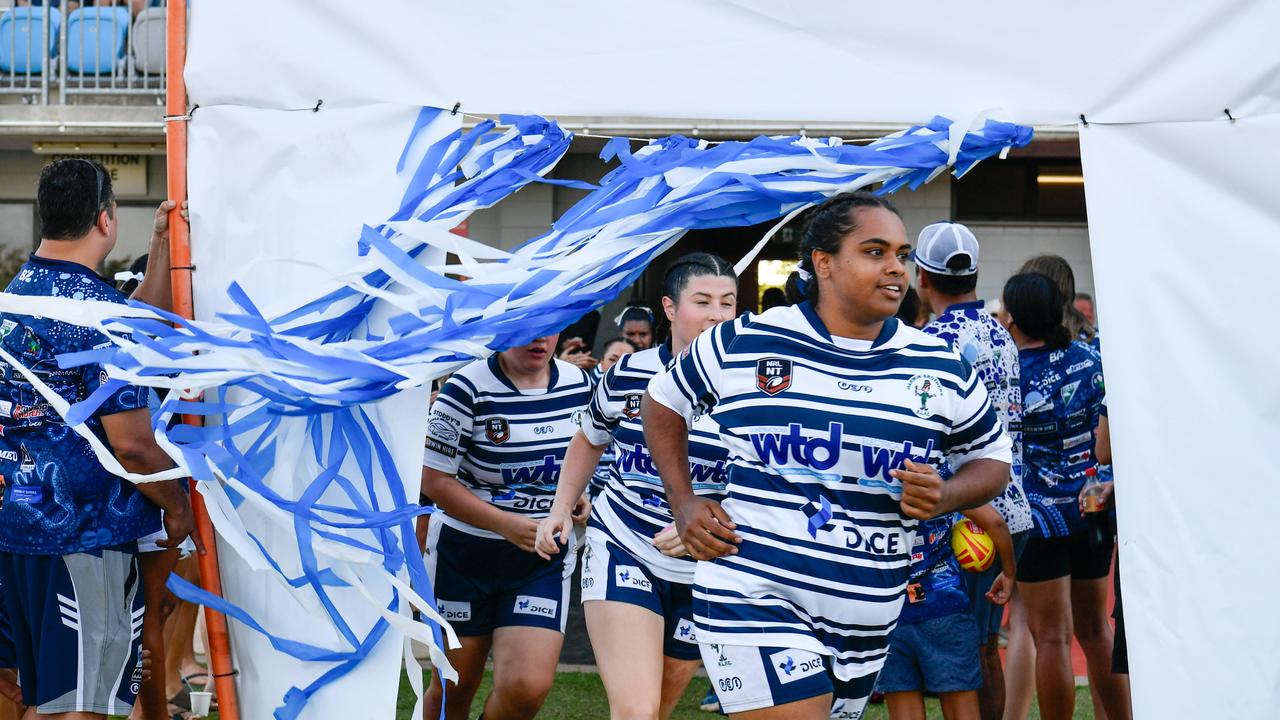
(792, 665)
(454, 611)
(629, 576)
(530, 605)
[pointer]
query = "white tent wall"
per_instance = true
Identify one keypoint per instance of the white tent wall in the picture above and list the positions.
(277, 202)
(1181, 210)
(1185, 219)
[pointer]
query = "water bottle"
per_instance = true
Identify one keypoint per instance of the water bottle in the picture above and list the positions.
(1095, 515)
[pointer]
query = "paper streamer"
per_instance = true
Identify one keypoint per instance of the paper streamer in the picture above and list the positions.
(326, 358)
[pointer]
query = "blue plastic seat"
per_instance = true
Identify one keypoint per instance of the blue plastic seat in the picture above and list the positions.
(96, 39)
(21, 30)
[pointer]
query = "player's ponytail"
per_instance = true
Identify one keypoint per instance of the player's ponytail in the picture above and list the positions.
(827, 227)
(1033, 301)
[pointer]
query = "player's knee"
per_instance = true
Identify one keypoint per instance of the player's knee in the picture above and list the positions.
(633, 709)
(523, 695)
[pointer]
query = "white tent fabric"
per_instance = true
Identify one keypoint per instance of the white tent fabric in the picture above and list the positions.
(1184, 221)
(269, 191)
(1181, 208)
(813, 60)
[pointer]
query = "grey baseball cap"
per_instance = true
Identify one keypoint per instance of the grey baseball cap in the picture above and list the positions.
(941, 243)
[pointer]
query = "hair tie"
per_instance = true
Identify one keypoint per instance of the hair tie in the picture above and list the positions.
(647, 313)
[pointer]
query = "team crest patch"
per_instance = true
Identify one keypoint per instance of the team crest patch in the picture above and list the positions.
(632, 407)
(773, 375)
(924, 388)
(497, 430)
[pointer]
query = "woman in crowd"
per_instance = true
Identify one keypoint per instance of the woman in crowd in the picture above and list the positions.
(1062, 579)
(496, 439)
(836, 416)
(636, 576)
(636, 324)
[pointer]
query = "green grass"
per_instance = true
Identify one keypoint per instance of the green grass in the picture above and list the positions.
(580, 696)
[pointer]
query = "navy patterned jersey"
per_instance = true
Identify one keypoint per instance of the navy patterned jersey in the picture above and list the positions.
(1062, 394)
(58, 499)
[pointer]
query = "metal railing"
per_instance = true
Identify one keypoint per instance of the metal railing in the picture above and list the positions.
(97, 47)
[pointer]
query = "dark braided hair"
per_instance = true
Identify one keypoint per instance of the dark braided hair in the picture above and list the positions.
(693, 265)
(828, 226)
(1033, 301)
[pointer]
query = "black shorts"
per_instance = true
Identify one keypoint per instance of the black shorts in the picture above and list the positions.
(1055, 557)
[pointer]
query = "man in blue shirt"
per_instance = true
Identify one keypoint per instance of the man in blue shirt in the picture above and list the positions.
(68, 527)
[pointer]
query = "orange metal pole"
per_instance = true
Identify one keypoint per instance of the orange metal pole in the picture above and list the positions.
(180, 256)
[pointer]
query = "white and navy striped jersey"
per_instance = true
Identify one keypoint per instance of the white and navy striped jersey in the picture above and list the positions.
(633, 507)
(506, 445)
(814, 424)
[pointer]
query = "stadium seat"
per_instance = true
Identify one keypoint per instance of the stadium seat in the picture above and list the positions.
(149, 41)
(20, 31)
(96, 39)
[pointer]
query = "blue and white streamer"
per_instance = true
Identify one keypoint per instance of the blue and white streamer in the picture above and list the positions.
(300, 381)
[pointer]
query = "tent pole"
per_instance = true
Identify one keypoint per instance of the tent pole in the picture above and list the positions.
(219, 649)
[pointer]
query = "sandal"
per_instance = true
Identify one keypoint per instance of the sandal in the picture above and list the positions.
(182, 699)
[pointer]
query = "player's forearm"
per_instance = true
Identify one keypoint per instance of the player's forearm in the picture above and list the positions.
(666, 433)
(459, 502)
(580, 462)
(976, 483)
(994, 525)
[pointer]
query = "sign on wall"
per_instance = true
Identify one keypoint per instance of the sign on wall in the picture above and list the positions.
(128, 172)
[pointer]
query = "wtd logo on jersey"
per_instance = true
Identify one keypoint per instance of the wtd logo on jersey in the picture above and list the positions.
(878, 461)
(819, 453)
(637, 460)
(792, 665)
(685, 632)
(543, 472)
(924, 388)
(773, 375)
(497, 430)
(530, 605)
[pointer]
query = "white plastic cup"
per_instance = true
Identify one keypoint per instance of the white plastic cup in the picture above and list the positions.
(200, 702)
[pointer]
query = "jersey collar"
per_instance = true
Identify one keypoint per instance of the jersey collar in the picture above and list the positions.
(887, 331)
(664, 353)
(496, 368)
(972, 305)
(65, 266)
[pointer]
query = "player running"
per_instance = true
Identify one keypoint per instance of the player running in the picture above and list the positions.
(834, 446)
(495, 443)
(636, 598)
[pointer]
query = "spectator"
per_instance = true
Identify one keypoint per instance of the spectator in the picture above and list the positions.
(1062, 577)
(1059, 271)
(636, 324)
(576, 351)
(613, 351)
(68, 527)
(773, 297)
(946, 258)
(1084, 303)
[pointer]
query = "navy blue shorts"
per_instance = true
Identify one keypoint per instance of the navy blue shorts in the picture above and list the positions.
(609, 572)
(987, 614)
(76, 622)
(486, 583)
(750, 678)
(938, 655)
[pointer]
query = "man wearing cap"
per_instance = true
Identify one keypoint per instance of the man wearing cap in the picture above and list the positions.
(946, 258)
